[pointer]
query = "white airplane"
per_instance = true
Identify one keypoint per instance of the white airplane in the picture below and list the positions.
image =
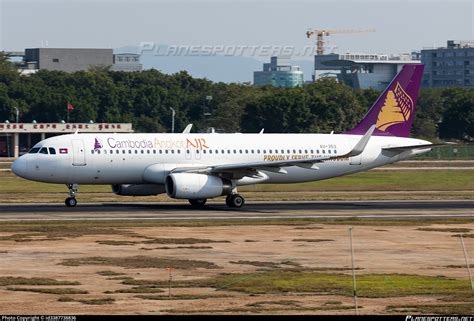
(198, 166)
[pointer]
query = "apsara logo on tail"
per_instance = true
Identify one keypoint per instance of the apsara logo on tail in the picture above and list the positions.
(397, 108)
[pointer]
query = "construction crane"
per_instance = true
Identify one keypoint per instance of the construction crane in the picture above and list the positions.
(321, 34)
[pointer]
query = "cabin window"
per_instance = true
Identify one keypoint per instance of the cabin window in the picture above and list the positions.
(43, 150)
(306, 151)
(129, 151)
(172, 151)
(117, 151)
(166, 151)
(335, 151)
(312, 151)
(136, 151)
(188, 151)
(92, 151)
(197, 151)
(203, 151)
(329, 151)
(300, 151)
(148, 151)
(324, 152)
(294, 151)
(258, 151)
(154, 151)
(288, 151)
(98, 151)
(161, 152)
(179, 151)
(142, 151)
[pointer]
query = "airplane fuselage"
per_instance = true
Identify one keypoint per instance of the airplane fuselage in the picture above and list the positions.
(124, 158)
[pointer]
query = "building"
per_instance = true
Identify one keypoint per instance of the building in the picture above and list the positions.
(360, 70)
(67, 59)
(17, 138)
(279, 73)
(127, 62)
(450, 66)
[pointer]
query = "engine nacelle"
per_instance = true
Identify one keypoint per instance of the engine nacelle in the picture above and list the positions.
(138, 189)
(196, 186)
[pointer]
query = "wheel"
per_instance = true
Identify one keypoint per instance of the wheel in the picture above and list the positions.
(235, 200)
(198, 202)
(71, 202)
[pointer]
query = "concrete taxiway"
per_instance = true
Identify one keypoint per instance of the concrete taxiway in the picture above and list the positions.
(251, 210)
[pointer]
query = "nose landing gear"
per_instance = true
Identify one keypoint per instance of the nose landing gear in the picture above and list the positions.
(71, 200)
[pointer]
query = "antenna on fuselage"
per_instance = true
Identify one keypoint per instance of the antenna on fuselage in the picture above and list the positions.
(76, 132)
(261, 132)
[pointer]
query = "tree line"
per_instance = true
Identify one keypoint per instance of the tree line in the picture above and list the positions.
(144, 99)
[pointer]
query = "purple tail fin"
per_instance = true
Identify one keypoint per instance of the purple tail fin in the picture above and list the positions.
(394, 110)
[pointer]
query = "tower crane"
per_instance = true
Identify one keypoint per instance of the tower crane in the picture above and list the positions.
(322, 33)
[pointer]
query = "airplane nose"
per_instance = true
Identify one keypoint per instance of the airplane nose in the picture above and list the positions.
(19, 167)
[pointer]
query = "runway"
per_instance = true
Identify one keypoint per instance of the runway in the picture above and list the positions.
(251, 211)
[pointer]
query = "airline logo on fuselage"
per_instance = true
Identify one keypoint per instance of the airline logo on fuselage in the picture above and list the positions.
(397, 108)
(196, 143)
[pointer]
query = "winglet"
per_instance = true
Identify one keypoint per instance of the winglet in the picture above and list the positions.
(360, 146)
(187, 130)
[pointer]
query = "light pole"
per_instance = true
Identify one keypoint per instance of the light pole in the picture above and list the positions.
(173, 113)
(17, 114)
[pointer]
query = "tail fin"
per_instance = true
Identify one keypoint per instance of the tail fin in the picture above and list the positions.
(394, 110)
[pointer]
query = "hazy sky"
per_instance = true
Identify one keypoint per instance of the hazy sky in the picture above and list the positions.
(401, 26)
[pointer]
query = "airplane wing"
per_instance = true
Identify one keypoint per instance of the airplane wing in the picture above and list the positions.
(250, 169)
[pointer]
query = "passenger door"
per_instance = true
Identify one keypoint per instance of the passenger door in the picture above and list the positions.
(78, 153)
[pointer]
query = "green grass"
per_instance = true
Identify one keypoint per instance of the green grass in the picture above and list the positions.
(313, 240)
(297, 281)
(137, 262)
(109, 273)
(49, 290)
(182, 297)
(390, 180)
(180, 241)
(141, 289)
(100, 301)
(9, 280)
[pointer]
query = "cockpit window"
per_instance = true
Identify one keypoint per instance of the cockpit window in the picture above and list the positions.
(34, 150)
(43, 150)
(52, 151)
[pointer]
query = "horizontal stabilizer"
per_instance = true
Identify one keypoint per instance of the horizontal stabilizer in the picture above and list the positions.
(412, 147)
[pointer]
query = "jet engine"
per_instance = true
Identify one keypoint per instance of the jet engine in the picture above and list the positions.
(138, 189)
(196, 186)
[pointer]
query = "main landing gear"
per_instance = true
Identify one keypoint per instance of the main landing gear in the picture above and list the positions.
(198, 202)
(71, 200)
(232, 200)
(235, 200)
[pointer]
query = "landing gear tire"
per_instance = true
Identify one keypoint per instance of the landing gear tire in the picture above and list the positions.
(198, 202)
(235, 200)
(70, 202)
